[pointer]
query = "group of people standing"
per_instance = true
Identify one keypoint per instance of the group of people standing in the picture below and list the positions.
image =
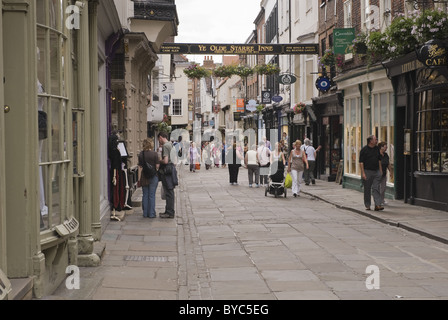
(165, 172)
(374, 163)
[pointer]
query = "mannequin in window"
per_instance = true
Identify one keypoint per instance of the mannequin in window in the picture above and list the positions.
(118, 177)
(40, 107)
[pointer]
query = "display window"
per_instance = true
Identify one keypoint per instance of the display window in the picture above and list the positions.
(432, 131)
(53, 113)
(383, 119)
(353, 144)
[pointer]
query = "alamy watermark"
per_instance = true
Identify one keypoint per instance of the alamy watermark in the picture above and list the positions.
(373, 280)
(372, 17)
(73, 20)
(73, 281)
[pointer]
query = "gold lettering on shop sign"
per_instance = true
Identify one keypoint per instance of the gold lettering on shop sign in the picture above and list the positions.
(410, 66)
(436, 62)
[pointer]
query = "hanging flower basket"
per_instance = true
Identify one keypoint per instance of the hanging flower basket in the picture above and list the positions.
(244, 71)
(328, 59)
(259, 108)
(224, 71)
(194, 71)
(267, 69)
(163, 127)
(359, 44)
(299, 108)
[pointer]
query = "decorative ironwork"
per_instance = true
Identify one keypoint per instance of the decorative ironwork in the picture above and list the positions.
(155, 10)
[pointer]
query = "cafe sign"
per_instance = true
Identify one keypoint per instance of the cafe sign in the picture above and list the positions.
(434, 53)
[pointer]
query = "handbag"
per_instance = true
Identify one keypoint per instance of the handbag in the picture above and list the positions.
(288, 181)
(43, 125)
(197, 166)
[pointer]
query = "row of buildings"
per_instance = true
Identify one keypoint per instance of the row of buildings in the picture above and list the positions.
(399, 99)
(74, 75)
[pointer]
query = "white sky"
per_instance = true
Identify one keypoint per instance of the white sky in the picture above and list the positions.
(215, 21)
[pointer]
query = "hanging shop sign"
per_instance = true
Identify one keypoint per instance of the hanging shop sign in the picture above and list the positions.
(240, 49)
(266, 97)
(277, 99)
(323, 84)
(237, 116)
(343, 39)
(434, 53)
(240, 105)
(251, 106)
(287, 79)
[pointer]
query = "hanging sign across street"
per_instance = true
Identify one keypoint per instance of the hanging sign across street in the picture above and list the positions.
(240, 49)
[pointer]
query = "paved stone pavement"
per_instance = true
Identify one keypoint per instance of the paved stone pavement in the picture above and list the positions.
(233, 242)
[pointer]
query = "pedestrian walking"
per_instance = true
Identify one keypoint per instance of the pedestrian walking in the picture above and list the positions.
(149, 184)
(385, 165)
(167, 174)
(216, 154)
(253, 168)
(297, 163)
(223, 154)
(278, 162)
(206, 156)
(370, 163)
(194, 156)
(264, 156)
(311, 157)
(233, 159)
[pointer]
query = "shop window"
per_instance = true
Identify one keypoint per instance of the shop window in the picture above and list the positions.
(383, 119)
(432, 134)
(177, 107)
(352, 137)
(52, 105)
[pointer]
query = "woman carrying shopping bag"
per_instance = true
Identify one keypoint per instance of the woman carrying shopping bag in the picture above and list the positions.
(296, 165)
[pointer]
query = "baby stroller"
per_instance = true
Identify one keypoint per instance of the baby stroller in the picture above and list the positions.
(276, 185)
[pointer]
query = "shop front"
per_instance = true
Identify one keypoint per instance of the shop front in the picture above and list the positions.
(368, 109)
(329, 133)
(422, 131)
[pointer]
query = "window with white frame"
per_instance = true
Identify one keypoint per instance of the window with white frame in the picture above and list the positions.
(352, 135)
(177, 107)
(383, 118)
(348, 14)
(53, 103)
(296, 11)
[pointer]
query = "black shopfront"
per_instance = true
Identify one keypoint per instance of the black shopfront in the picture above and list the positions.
(329, 133)
(421, 122)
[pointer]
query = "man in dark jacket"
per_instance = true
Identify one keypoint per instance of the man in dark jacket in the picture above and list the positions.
(167, 170)
(369, 161)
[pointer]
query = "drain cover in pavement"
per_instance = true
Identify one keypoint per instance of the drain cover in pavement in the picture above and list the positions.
(146, 258)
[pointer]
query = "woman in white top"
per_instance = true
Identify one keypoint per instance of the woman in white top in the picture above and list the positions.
(252, 163)
(296, 165)
(194, 155)
(264, 155)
